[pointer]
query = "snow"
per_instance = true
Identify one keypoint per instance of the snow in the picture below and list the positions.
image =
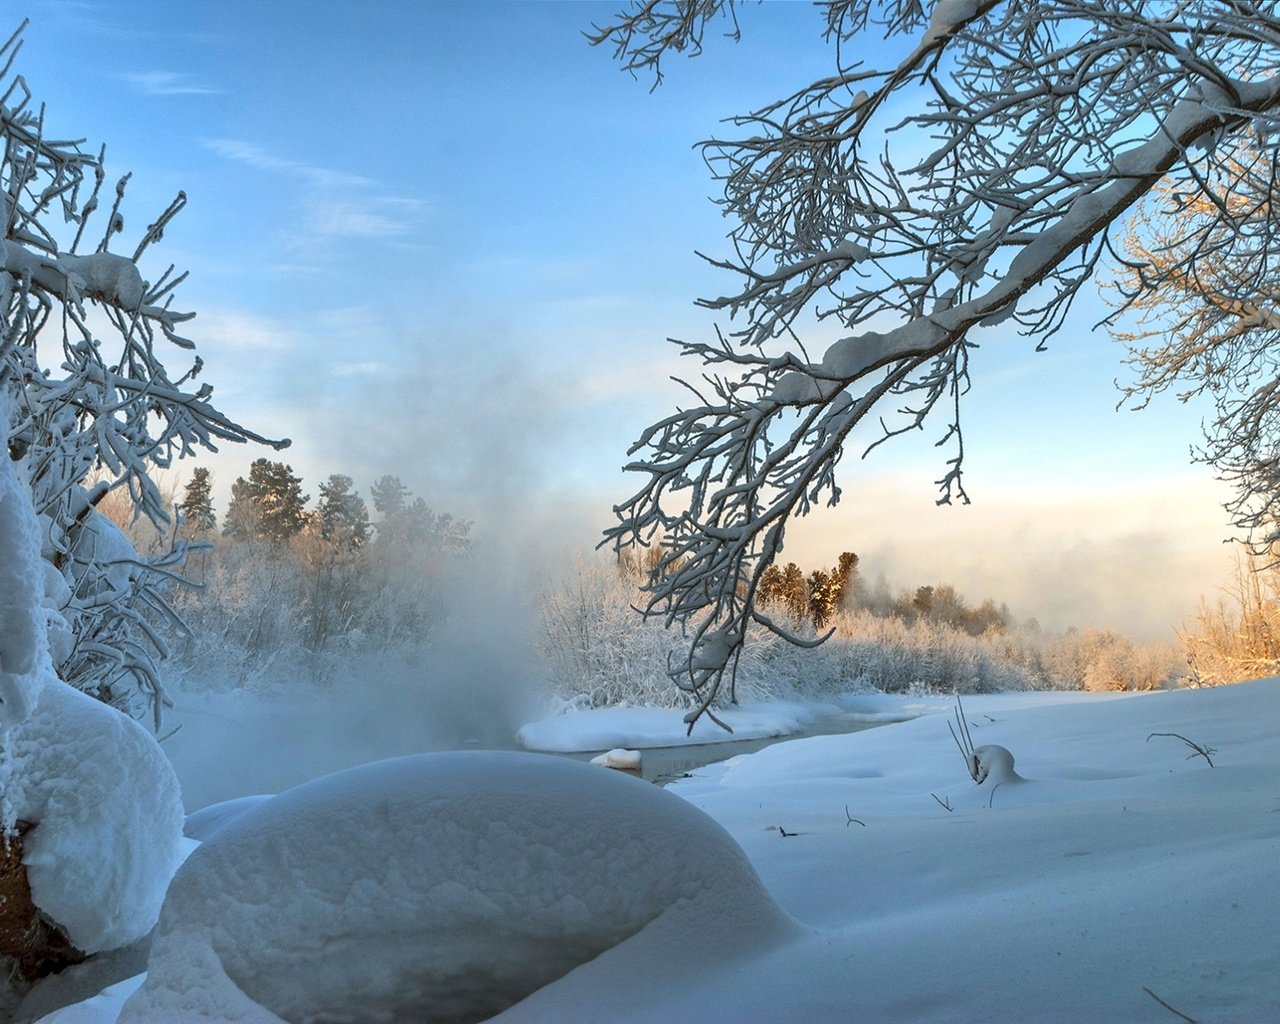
(621, 759)
(107, 814)
(442, 885)
(1120, 867)
(24, 650)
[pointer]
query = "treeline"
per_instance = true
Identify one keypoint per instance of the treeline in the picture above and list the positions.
(283, 588)
(818, 596)
(930, 639)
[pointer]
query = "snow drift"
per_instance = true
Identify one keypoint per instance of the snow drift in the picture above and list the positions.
(441, 887)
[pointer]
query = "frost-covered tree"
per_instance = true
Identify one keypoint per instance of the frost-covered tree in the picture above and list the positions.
(91, 815)
(971, 179)
(84, 339)
(196, 507)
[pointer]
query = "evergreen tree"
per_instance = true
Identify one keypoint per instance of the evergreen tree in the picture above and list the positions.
(196, 508)
(342, 515)
(389, 496)
(267, 506)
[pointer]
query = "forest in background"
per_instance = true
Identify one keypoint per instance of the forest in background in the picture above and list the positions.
(281, 588)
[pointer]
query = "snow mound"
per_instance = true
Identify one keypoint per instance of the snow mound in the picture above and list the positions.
(621, 759)
(107, 813)
(201, 824)
(440, 887)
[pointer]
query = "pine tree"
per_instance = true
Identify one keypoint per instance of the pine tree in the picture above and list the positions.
(196, 508)
(342, 516)
(268, 506)
(389, 495)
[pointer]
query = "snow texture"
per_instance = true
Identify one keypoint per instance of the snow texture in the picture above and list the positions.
(440, 887)
(203, 823)
(24, 652)
(107, 813)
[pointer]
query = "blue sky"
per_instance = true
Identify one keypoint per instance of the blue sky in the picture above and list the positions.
(447, 240)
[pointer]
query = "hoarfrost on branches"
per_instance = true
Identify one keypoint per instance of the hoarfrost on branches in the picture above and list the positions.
(82, 332)
(1032, 127)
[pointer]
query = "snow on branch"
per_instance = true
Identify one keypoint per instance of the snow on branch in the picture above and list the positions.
(1032, 128)
(84, 345)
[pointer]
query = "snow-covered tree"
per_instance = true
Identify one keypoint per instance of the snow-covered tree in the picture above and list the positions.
(83, 339)
(970, 180)
(91, 816)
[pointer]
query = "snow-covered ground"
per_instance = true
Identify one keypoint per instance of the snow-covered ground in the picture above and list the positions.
(1120, 870)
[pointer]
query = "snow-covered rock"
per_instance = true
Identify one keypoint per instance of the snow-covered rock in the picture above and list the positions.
(107, 813)
(438, 887)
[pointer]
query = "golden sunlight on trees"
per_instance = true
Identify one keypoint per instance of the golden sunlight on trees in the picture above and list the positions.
(1198, 271)
(1238, 638)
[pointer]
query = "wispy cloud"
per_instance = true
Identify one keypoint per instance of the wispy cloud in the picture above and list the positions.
(336, 204)
(169, 83)
(234, 329)
(264, 160)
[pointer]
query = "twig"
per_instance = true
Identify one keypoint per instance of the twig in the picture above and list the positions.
(945, 803)
(785, 834)
(1199, 751)
(1189, 1020)
(963, 740)
(992, 798)
(850, 819)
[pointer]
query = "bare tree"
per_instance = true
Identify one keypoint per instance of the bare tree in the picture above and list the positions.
(1032, 127)
(1201, 273)
(82, 334)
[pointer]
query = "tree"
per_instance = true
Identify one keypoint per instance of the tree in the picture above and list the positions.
(83, 390)
(1029, 130)
(1200, 274)
(196, 507)
(389, 495)
(341, 514)
(268, 506)
(83, 339)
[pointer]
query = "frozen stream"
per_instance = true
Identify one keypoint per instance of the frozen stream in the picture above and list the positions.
(662, 764)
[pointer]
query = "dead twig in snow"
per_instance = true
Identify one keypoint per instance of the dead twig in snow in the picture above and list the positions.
(992, 798)
(946, 804)
(1189, 1020)
(850, 819)
(1199, 750)
(963, 740)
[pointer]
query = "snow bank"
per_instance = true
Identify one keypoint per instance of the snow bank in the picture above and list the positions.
(107, 814)
(1117, 862)
(442, 887)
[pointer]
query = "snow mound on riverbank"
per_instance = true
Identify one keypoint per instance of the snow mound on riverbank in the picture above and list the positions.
(107, 816)
(442, 887)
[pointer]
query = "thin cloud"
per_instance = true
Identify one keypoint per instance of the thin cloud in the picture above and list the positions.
(169, 83)
(337, 204)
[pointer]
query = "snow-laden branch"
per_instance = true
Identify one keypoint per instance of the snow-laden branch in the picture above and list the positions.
(1034, 127)
(84, 345)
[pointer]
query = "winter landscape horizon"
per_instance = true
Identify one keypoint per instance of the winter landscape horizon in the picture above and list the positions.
(586, 511)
